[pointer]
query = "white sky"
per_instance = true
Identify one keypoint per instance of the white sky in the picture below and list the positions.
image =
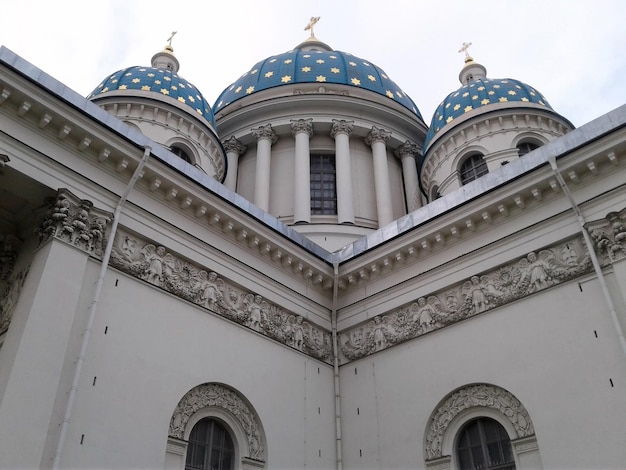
(573, 51)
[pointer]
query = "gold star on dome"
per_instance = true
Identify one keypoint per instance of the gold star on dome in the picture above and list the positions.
(174, 87)
(199, 111)
(366, 64)
(272, 61)
(150, 75)
(466, 94)
(447, 105)
(502, 99)
(165, 91)
(128, 74)
(384, 76)
(306, 56)
(320, 61)
(123, 87)
(288, 61)
(167, 78)
(191, 99)
(491, 92)
(182, 85)
(457, 107)
(320, 78)
(254, 71)
(352, 63)
(450, 118)
(285, 78)
(399, 94)
(468, 109)
(389, 94)
(306, 69)
(541, 103)
(496, 86)
(136, 80)
(505, 81)
(332, 56)
(532, 93)
(181, 99)
(142, 70)
(512, 93)
(249, 90)
(475, 97)
(238, 89)
(441, 118)
(484, 102)
(219, 105)
(335, 70)
(157, 82)
(524, 99)
(480, 88)
(269, 74)
(355, 81)
(371, 78)
(145, 88)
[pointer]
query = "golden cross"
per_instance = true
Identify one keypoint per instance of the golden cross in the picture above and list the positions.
(464, 48)
(169, 41)
(314, 19)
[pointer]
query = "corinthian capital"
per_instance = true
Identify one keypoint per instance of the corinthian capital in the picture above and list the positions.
(265, 132)
(377, 135)
(302, 125)
(341, 127)
(407, 149)
(233, 145)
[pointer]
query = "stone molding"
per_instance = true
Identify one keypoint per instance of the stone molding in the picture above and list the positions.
(609, 236)
(478, 294)
(176, 446)
(233, 145)
(74, 221)
(302, 125)
(189, 281)
(472, 396)
(220, 396)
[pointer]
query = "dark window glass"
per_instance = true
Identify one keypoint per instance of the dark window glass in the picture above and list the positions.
(524, 147)
(483, 444)
(210, 447)
(179, 152)
(323, 184)
(473, 167)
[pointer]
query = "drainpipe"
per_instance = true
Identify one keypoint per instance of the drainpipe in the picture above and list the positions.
(592, 253)
(92, 312)
(333, 321)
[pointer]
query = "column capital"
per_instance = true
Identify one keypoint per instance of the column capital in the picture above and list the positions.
(407, 149)
(377, 135)
(234, 145)
(341, 126)
(302, 125)
(265, 132)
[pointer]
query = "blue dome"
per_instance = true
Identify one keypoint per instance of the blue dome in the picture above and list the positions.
(480, 94)
(165, 83)
(314, 66)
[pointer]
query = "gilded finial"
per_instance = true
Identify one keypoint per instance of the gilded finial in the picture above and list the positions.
(309, 26)
(169, 40)
(464, 49)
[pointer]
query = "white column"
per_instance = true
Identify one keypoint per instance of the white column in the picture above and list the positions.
(341, 131)
(234, 149)
(265, 138)
(377, 139)
(302, 130)
(408, 154)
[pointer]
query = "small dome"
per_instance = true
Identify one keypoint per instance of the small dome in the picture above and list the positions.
(159, 80)
(314, 62)
(478, 95)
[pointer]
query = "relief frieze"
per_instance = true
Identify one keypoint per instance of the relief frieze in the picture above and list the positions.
(158, 266)
(480, 293)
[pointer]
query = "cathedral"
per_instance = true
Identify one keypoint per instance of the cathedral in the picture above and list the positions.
(307, 273)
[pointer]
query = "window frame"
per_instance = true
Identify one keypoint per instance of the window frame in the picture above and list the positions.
(327, 197)
(472, 167)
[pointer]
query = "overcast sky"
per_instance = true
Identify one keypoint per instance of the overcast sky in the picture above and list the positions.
(573, 51)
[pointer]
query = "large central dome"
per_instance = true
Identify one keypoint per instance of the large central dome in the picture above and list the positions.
(314, 62)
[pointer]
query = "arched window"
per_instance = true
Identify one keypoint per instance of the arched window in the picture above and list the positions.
(483, 444)
(526, 146)
(473, 167)
(181, 152)
(210, 447)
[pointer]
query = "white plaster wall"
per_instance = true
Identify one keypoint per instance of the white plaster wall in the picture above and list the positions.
(157, 348)
(543, 350)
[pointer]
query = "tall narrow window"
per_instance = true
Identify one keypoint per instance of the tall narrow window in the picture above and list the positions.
(181, 152)
(483, 444)
(210, 447)
(473, 167)
(323, 184)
